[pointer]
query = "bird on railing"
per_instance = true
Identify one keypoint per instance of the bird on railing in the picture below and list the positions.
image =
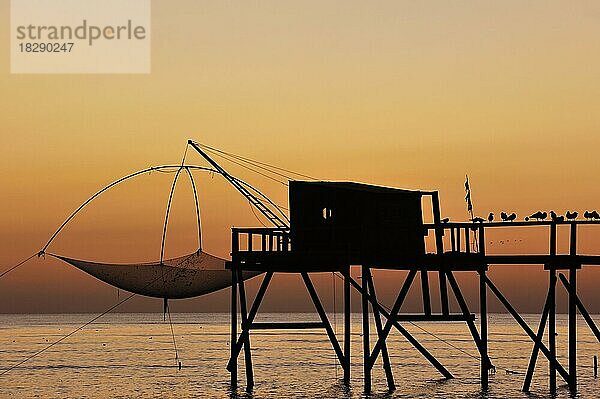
(572, 215)
(491, 217)
(477, 220)
(556, 218)
(445, 220)
(539, 215)
(594, 215)
(508, 218)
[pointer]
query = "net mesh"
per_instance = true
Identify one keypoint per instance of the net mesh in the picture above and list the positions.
(187, 276)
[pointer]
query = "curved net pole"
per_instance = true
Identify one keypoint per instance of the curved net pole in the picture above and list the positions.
(106, 188)
(164, 235)
(197, 208)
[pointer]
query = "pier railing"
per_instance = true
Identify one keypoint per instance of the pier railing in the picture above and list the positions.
(249, 240)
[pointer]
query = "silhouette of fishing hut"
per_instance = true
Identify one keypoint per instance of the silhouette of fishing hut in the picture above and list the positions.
(334, 226)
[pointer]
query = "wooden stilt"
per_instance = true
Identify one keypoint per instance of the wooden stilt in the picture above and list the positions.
(552, 313)
(403, 331)
(586, 316)
(573, 312)
(387, 367)
(425, 292)
(232, 367)
(390, 322)
(465, 310)
(321, 311)
(347, 323)
(236, 346)
(526, 328)
(483, 330)
(536, 345)
(365, 331)
(247, 351)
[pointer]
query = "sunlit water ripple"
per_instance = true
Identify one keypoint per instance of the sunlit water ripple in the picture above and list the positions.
(131, 355)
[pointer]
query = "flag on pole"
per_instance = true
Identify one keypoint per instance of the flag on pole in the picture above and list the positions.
(468, 196)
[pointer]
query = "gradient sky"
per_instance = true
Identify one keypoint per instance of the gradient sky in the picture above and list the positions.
(399, 93)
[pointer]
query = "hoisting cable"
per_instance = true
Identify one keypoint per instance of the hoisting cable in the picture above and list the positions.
(276, 206)
(247, 167)
(14, 366)
(256, 163)
(19, 264)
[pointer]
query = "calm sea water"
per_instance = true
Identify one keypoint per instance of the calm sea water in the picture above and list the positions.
(132, 355)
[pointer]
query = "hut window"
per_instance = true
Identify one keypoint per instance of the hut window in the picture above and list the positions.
(327, 214)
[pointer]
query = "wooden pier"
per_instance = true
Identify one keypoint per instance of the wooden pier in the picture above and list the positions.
(274, 250)
(333, 226)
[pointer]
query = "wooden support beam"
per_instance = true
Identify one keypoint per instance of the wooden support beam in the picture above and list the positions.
(232, 366)
(308, 325)
(365, 331)
(425, 291)
(319, 308)
(387, 367)
(552, 313)
(444, 293)
(395, 309)
(402, 330)
(536, 346)
(526, 328)
(236, 346)
(247, 352)
(465, 310)
(434, 317)
(586, 316)
(573, 312)
(347, 325)
(483, 328)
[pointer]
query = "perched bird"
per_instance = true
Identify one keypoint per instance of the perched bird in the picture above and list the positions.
(594, 215)
(491, 217)
(503, 216)
(556, 218)
(539, 215)
(587, 214)
(511, 217)
(445, 220)
(477, 220)
(572, 215)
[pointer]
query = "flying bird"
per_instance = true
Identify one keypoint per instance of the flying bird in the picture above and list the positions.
(572, 215)
(491, 217)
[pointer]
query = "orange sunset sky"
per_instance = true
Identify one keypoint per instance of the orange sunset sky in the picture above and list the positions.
(399, 93)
